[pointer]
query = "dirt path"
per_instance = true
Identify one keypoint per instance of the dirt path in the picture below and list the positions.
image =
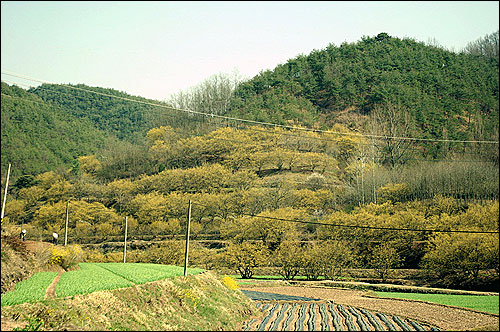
(444, 317)
(35, 246)
(51, 290)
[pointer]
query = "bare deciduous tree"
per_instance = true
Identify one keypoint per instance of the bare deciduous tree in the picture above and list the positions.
(210, 96)
(394, 123)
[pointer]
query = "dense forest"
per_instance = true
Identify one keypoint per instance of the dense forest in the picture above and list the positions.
(405, 138)
(38, 136)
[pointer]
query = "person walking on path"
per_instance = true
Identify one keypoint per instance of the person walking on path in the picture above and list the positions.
(55, 235)
(23, 234)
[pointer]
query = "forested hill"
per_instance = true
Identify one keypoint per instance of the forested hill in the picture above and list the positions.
(38, 136)
(110, 110)
(427, 91)
(445, 93)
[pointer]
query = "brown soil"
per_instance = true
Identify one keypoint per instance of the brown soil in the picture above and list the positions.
(36, 246)
(51, 290)
(446, 318)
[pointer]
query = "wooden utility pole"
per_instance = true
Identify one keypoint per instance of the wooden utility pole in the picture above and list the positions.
(67, 219)
(5, 193)
(125, 242)
(363, 178)
(187, 239)
(373, 174)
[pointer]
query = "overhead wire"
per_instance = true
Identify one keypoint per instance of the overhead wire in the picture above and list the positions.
(212, 137)
(251, 128)
(360, 226)
(274, 133)
(250, 121)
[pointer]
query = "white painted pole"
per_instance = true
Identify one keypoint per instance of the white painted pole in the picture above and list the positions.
(5, 193)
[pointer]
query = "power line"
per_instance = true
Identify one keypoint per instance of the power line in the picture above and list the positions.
(252, 121)
(251, 143)
(270, 144)
(364, 227)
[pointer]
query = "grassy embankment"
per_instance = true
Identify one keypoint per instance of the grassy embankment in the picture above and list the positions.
(134, 299)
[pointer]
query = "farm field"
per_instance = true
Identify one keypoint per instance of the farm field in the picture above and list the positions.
(476, 302)
(431, 315)
(91, 277)
(29, 290)
(200, 302)
(140, 273)
(326, 316)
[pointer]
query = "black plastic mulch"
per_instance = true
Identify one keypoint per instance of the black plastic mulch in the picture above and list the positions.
(260, 296)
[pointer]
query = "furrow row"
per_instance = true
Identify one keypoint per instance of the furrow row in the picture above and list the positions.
(326, 316)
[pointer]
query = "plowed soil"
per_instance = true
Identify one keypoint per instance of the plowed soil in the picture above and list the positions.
(445, 318)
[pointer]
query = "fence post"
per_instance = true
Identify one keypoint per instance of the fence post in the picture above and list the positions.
(125, 242)
(187, 240)
(67, 219)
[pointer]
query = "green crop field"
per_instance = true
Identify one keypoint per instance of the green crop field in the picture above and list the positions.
(484, 303)
(91, 277)
(29, 290)
(140, 273)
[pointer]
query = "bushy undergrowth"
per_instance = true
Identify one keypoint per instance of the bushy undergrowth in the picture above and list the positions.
(67, 257)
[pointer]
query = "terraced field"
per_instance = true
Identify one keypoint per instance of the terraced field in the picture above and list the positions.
(326, 316)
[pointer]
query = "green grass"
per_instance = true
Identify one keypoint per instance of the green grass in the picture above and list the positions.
(29, 290)
(198, 303)
(90, 278)
(106, 276)
(140, 273)
(484, 303)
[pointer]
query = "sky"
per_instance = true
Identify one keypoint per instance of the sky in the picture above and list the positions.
(156, 49)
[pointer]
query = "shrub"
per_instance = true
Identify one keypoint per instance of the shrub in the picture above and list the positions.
(169, 252)
(384, 258)
(395, 192)
(457, 259)
(245, 257)
(230, 283)
(311, 262)
(289, 259)
(66, 257)
(336, 256)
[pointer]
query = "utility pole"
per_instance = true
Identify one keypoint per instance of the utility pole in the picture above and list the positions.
(187, 240)
(5, 193)
(363, 178)
(67, 219)
(125, 242)
(373, 174)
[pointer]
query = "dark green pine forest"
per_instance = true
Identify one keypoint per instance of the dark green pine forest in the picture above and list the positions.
(382, 132)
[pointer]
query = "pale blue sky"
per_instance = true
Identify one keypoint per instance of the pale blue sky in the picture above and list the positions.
(154, 49)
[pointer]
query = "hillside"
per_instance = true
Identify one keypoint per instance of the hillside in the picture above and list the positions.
(39, 136)
(428, 91)
(278, 196)
(118, 116)
(193, 303)
(446, 93)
